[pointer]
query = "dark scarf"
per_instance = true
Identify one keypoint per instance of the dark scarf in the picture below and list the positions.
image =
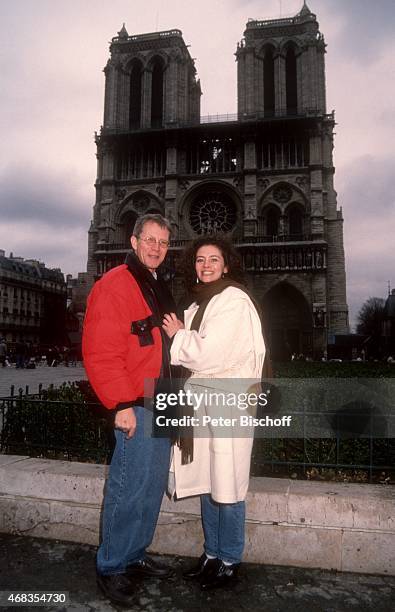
(159, 300)
(202, 293)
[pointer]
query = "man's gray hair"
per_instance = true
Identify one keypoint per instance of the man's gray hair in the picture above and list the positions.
(154, 218)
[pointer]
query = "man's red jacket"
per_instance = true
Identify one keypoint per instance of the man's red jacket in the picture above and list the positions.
(119, 369)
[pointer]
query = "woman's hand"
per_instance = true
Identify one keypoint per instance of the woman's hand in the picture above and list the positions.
(171, 324)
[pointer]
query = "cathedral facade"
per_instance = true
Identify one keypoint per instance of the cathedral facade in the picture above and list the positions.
(264, 176)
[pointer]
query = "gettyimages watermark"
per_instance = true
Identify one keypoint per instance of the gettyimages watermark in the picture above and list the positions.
(276, 408)
(205, 404)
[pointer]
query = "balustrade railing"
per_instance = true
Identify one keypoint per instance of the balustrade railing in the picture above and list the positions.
(222, 118)
(290, 259)
(259, 253)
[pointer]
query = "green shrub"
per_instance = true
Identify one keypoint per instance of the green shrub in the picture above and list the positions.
(62, 423)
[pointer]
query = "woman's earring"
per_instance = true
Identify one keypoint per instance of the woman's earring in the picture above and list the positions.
(197, 280)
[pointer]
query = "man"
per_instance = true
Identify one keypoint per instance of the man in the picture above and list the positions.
(124, 348)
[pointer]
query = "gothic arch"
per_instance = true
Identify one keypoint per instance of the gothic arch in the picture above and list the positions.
(290, 42)
(274, 207)
(152, 57)
(287, 320)
(140, 202)
(270, 220)
(283, 193)
(136, 57)
(133, 206)
(269, 43)
(295, 214)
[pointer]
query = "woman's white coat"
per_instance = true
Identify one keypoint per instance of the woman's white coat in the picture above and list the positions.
(228, 345)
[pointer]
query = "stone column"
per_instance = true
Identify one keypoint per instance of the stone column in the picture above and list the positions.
(280, 97)
(321, 78)
(259, 85)
(110, 95)
(313, 102)
(108, 163)
(249, 82)
(241, 106)
(336, 275)
(146, 98)
(170, 92)
(183, 91)
(316, 186)
(300, 77)
(250, 213)
(171, 160)
(123, 99)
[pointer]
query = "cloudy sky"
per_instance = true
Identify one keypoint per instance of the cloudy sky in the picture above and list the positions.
(51, 100)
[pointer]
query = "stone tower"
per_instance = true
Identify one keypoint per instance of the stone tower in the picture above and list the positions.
(263, 176)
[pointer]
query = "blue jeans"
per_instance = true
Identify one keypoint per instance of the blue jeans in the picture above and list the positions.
(134, 490)
(223, 527)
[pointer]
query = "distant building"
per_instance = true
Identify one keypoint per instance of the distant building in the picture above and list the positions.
(76, 302)
(32, 301)
(76, 292)
(263, 176)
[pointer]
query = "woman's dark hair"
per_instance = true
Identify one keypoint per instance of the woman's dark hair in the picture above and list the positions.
(231, 258)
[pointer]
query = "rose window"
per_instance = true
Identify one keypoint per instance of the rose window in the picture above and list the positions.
(213, 213)
(282, 193)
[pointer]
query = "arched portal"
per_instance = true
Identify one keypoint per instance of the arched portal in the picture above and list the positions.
(288, 322)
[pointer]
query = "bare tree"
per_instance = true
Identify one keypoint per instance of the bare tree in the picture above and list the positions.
(370, 317)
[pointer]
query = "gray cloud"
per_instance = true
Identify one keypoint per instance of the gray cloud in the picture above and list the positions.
(367, 193)
(368, 26)
(56, 245)
(40, 196)
(368, 186)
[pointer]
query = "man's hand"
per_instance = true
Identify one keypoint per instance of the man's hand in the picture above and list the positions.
(125, 420)
(171, 324)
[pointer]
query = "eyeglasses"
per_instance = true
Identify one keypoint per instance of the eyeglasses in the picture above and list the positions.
(151, 241)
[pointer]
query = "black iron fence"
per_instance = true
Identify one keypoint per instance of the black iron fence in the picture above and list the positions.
(339, 459)
(68, 423)
(56, 424)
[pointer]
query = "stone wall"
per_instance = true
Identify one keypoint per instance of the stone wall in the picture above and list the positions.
(346, 527)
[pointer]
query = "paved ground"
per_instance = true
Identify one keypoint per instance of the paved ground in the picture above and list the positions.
(42, 374)
(44, 565)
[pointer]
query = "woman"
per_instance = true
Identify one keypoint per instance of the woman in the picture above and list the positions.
(222, 338)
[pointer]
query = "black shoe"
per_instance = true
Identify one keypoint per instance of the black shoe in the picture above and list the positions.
(223, 576)
(117, 588)
(201, 568)
(148, 567)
